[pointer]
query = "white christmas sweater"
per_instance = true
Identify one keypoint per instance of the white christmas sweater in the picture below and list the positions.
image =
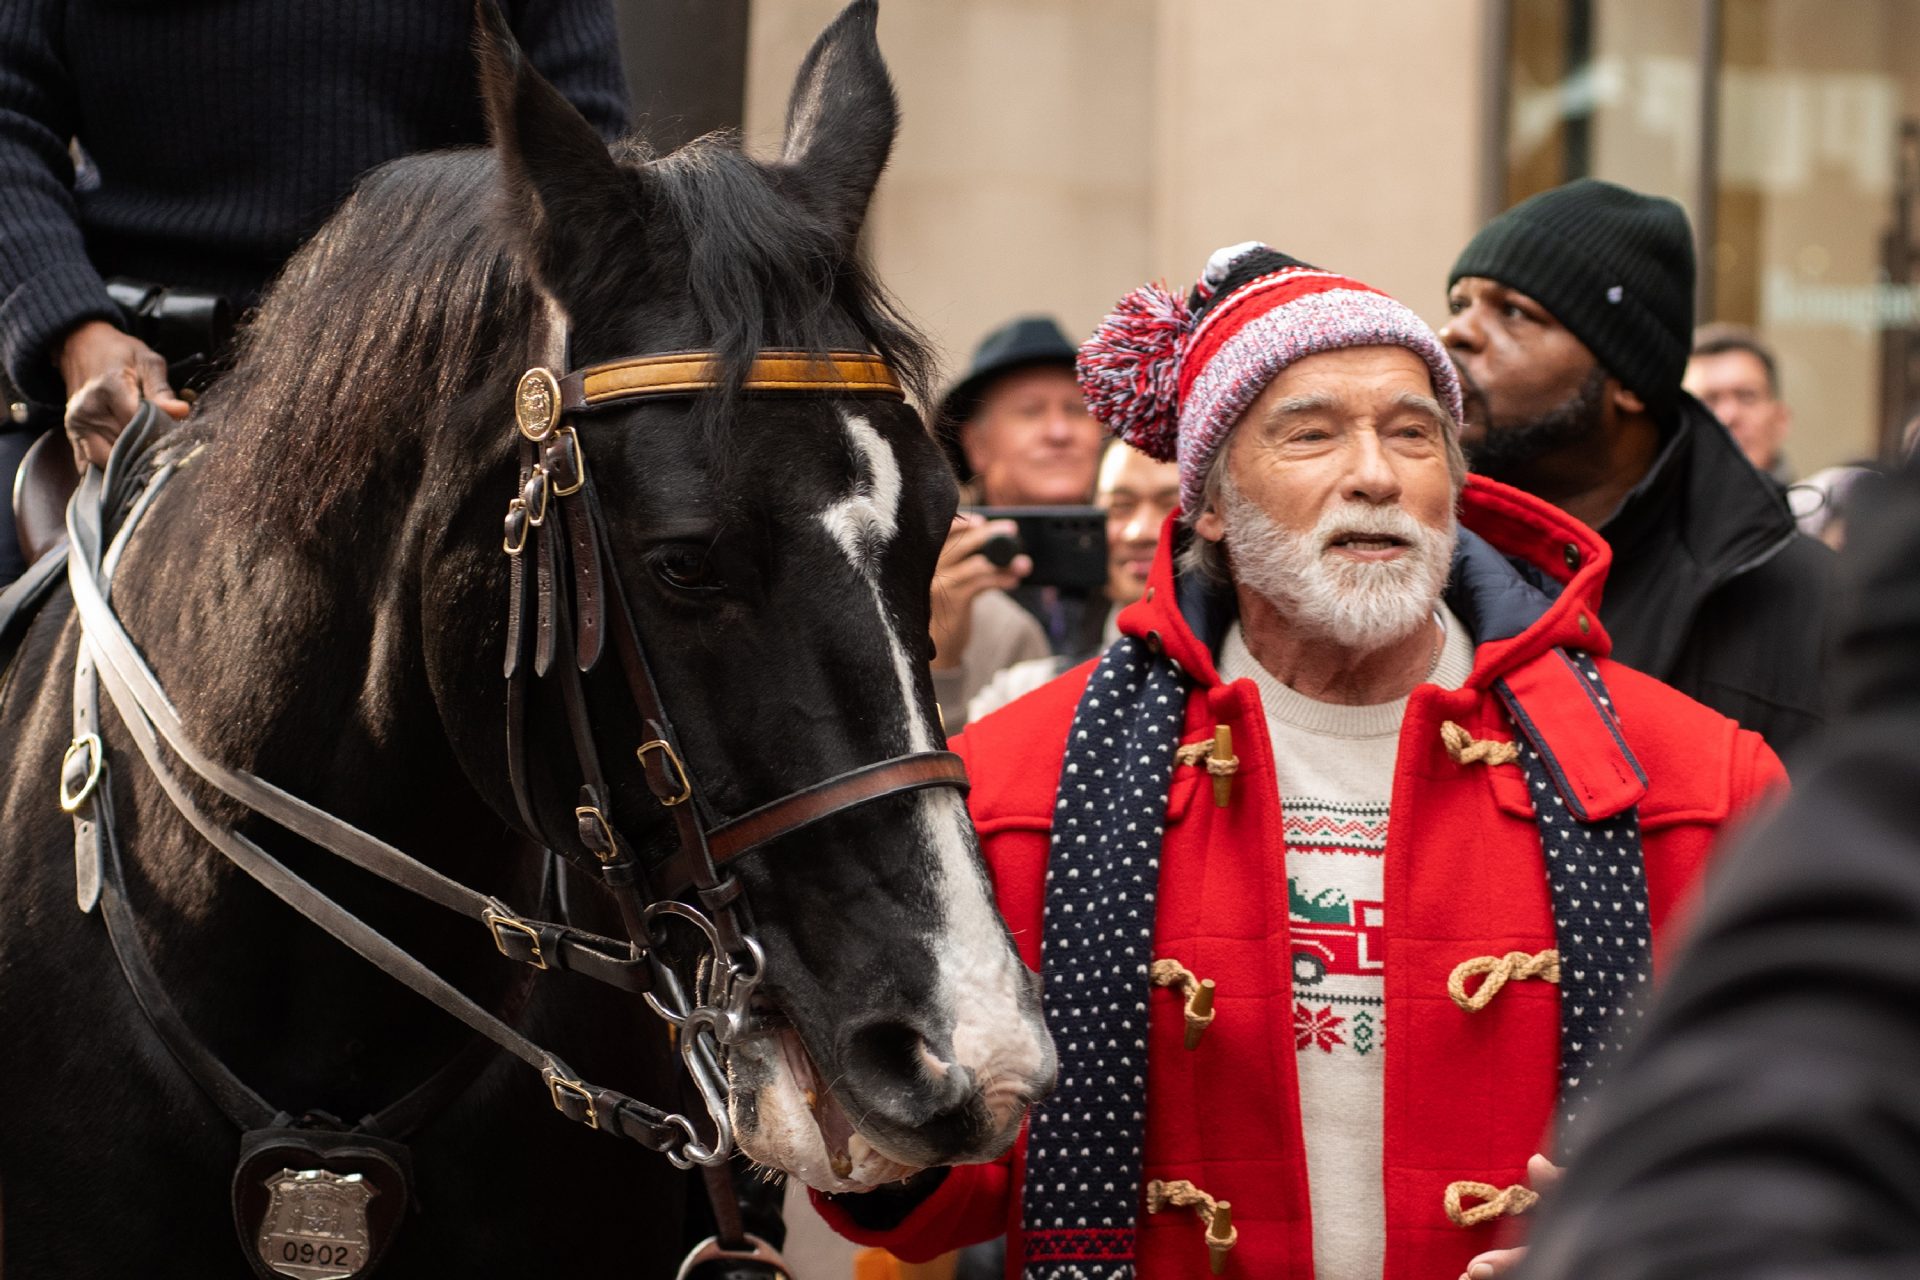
(1335, 766)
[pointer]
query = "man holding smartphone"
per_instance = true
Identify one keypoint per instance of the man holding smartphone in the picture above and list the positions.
(1018, 434)
(1017, 431)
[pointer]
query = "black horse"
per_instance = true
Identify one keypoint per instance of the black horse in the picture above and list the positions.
(321, 589)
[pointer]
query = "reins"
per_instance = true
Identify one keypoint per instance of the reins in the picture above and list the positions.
(565, 602)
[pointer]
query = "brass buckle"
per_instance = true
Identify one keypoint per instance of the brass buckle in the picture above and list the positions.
(587, 811)
(673, 758)
(507, 544)
(497, 922)
(536, 403)
(90, 743)
(561, 1088)
(579, 463)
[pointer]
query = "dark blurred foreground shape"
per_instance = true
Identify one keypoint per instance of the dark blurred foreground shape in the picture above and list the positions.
(1768, 1125)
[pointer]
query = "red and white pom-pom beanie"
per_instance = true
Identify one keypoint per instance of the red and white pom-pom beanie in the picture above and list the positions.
(1172, 378)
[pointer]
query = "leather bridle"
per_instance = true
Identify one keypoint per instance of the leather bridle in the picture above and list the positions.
(565, 602)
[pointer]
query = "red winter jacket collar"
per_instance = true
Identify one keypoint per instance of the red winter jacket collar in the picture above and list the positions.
(1511, 619)
(1468, 1096)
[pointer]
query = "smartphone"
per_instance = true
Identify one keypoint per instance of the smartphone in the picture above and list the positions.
(1068, 544)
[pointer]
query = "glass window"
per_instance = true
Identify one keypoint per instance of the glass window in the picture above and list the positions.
(1813, 176)
(1815, 237)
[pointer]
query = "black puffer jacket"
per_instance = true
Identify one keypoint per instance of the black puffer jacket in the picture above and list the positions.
(1715, 592)
(1767, 1123)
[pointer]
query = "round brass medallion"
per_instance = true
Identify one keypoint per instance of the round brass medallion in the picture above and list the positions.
(536, 403)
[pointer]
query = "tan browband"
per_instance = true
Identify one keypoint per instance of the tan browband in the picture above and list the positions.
(847, 373)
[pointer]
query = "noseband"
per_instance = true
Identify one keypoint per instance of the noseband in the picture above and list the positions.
(567, 599)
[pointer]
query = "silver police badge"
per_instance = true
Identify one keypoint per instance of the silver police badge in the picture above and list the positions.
(316, 1224)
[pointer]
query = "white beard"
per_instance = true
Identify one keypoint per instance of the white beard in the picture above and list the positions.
(1363, 605)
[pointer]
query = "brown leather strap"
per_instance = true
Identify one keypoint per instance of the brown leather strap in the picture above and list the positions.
(804, 808)
(583, 549)
(41, 487)
(685, 373)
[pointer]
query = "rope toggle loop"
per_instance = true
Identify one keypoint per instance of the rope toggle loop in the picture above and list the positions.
(1219, 759)
(1467, 749)
(1217, 1215)
(1494, 1202)
(1198, 991)
(1514, 965)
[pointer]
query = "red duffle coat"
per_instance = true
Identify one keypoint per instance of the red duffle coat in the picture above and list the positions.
(1468, 1095)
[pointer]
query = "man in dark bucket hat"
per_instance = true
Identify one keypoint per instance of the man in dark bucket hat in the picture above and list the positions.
(1016, 427)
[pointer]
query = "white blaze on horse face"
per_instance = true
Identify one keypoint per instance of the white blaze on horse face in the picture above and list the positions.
(981, 981)
(865, 522)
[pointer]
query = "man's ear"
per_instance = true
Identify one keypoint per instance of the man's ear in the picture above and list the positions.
(973, 443)
(1625, 401)
(1210, 524)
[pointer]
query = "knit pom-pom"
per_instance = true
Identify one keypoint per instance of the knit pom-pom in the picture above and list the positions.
(1130, 369)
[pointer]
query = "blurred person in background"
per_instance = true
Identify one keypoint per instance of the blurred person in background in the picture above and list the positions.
(217, 137)
(1572, 319)
(1015, 426)
(1735, 375)
(1767, 1121)
(1823, 503)
(1017, 432)
(1138, 493)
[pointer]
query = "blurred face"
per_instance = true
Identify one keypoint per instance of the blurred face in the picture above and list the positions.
(1337, 505)
(1032, 442)
(1139, 494)
(1532, 388)
(1734, 384)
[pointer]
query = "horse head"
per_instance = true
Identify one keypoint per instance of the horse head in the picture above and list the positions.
(775, 553)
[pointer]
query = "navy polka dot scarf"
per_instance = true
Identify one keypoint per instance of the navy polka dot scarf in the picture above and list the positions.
(1083, 1148)
(1597, 879)
(1083, 1184)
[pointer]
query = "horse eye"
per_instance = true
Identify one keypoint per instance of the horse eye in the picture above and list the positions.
(686, 568)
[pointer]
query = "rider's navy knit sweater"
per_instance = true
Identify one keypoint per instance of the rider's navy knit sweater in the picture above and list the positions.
(220, 133)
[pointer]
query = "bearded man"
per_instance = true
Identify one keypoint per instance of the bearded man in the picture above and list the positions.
(1357, 771)
(1572, 316)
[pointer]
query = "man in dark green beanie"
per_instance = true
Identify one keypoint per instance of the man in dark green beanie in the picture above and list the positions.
(1572, 320)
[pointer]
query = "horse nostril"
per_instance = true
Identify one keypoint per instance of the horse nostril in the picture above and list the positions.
(892, 1063)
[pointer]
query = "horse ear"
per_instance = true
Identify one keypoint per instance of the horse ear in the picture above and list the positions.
(841, 121)
(564, 196)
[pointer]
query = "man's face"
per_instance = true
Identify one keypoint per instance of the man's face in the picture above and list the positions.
(1734, 384)
(1032, 441)
(1532, 388)
(1139, 494)
(1337, 506)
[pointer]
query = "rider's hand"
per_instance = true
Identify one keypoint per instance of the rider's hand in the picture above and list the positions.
(108, 373)
(1544, 1175)
(962, 575)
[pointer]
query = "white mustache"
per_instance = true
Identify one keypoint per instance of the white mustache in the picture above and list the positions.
(1369, 521)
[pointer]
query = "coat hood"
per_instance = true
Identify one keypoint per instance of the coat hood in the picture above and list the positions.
(1526, 578)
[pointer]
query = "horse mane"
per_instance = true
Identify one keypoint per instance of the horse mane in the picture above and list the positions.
(409, 313)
